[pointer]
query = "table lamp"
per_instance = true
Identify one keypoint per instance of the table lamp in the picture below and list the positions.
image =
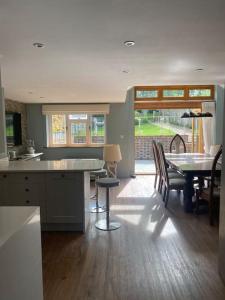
(112, 155)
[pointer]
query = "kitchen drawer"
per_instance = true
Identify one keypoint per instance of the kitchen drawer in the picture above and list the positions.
(22, 177)
(62, 175)
(24, 194)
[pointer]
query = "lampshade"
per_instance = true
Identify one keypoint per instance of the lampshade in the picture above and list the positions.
(112, 153)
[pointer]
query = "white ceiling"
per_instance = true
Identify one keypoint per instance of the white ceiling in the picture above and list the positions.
(84, 54)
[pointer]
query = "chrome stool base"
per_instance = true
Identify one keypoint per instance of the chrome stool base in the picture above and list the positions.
(103, 225)
(97, 209)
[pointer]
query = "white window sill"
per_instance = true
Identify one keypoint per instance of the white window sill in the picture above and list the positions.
(75, 146)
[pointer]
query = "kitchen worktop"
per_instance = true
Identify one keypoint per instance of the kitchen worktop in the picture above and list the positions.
(12, 219)
(20, 253)
(70, 165)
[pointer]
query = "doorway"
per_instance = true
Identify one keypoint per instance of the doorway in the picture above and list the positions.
(161, 125)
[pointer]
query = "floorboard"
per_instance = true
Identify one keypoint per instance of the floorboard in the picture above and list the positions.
(157, 254)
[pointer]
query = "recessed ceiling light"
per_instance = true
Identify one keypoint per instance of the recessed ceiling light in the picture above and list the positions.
(38, 45)
(129, 43)
(199, 69)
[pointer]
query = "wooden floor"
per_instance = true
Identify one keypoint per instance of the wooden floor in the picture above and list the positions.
(156, 254)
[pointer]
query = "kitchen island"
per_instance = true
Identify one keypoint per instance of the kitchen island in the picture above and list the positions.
(61, 188)
(20, 254)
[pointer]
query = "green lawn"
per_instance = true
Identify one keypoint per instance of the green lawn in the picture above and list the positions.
(152, 130)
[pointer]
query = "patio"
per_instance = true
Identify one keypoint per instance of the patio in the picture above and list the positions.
(144, 167)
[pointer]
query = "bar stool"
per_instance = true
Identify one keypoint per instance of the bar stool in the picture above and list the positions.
(97, 174)
(107, 224)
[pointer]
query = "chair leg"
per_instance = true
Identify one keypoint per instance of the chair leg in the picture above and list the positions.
(156, 177)
(160, 185)
(167, 197)
(197, 203)
(211, 214)
(165, 193)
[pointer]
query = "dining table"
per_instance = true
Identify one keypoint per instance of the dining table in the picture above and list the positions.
(191, 165)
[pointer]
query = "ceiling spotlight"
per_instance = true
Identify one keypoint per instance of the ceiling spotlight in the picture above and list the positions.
(129, 43)
(199, 69)
(38, 45)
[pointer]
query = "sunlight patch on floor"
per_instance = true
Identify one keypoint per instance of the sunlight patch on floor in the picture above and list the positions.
(127, 207)
(168, 229)
(132, 219)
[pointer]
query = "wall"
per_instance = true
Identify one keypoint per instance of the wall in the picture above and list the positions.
(219, 114)
(222, 204)
(119, 130)
(14, 106)
(3, 150)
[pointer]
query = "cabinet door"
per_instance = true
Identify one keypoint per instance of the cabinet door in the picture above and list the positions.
(64, 198)
(22, 190)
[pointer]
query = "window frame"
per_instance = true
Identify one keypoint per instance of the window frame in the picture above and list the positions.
(186, 96)
(69, 143)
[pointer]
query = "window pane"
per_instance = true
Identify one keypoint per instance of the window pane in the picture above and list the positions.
(78, 133)
(147, 94)
(78, 117)
(58, 129)
(173, 93)
(98, 129)
(200, 93)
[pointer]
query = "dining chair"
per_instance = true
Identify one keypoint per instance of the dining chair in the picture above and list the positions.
(211, 194)
(157, 163)
(214, 149)
(158, 175)
(170, 182)
(176, 143)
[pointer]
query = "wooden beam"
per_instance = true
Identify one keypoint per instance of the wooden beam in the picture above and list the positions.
(167, 104)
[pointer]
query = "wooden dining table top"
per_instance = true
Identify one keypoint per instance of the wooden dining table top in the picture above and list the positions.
(190, 162)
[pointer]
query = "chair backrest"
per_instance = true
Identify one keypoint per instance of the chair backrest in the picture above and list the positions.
(214, 149)
(176, 143)
(156, 156)
(214, 173)
(163, 164)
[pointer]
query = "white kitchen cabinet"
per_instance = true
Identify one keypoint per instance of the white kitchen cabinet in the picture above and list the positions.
(64, 196)
(23, 190)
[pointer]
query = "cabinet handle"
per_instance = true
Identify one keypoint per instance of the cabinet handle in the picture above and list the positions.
(27, 190)
(26, 178)
(62, 175)
(4, 176)
(27, 201)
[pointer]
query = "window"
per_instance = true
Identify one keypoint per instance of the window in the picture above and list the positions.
(76, 129)
(178, 92)
(147, 94)
(173, 93)
(199, 92)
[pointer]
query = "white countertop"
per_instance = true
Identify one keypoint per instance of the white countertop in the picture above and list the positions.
(70, 165)
(13, 218)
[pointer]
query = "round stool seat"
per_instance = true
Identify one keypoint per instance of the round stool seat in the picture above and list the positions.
(99, 173)
(107, 182)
